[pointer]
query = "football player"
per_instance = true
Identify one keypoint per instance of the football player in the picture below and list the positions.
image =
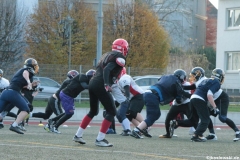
(108, 68)
(167, 89)
(22, 78)
(77, 85)
(53, 105)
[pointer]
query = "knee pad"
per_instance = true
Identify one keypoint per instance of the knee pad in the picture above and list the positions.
(121, 115)
(109, 117)
(222, 118)
(151, 119)
(104, 113)
(117, 104)
(120, 119)
(91, 114)
(131, 115)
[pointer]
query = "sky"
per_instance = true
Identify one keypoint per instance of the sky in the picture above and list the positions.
(30, 4)
(215, 3)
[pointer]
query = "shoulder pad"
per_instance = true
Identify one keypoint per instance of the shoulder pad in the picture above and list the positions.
(120, 62)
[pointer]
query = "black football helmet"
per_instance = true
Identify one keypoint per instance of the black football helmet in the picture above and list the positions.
(90, 73)
(196, 74)
(180, 74)
(32, 65)
(219, 74)
(71, 74)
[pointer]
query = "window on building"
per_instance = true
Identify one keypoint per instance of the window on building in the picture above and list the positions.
(233, 18)
(233, 61)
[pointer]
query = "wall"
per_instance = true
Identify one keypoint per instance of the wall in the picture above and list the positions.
(227, 40)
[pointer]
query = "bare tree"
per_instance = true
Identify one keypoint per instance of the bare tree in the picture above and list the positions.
(12, 23)
(179, 18)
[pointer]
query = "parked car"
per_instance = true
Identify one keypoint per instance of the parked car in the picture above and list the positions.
(48, 85)
(146, 81)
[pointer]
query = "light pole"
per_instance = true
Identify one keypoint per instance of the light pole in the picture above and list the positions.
(99, 32)
(69, 21)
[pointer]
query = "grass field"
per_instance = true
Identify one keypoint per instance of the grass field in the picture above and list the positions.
(38, 144)
(85, 104)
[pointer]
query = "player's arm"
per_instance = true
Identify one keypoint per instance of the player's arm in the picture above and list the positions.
(84, 85)
(26, 77)
(106, 72)
(189, 87)
(180, 91)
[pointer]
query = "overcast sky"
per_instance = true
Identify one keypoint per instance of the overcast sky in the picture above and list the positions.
(215, 3)
(30, 4)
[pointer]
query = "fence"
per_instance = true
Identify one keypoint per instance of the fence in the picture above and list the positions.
(59, 72)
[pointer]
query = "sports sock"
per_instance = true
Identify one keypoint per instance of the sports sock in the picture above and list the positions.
(136, 129)
(126, 124)
(80, 132)
(14, 124)
(100, 136)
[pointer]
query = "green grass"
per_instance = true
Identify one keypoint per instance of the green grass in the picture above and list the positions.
(85, 104)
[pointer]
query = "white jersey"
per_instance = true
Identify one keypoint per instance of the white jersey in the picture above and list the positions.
(217, 94)
(134, 88)
(186, 100)
(4, 83)
(117, 93)
(199, 81)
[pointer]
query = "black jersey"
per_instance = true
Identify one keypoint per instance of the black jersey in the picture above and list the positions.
(64, 84)
(28, 94)
(77, 85)
(18, 81)
(107, 68)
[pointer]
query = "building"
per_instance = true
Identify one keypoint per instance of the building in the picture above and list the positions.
(185, 22)
(228, 43)
(211, 25)
(93, 3)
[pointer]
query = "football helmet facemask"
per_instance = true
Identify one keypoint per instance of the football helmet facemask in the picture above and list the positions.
(90, 73)
(219, 74)
(32, 65)
(180, 74)
(196, 74)
(71, 74)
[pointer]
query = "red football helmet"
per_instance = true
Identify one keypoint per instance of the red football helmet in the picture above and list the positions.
(124, 71)
(120, 45)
